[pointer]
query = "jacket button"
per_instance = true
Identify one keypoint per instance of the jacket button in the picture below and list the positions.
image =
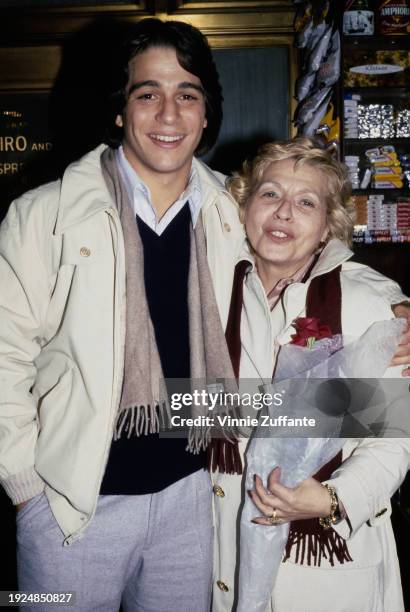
(221, 585)
(227, 227)
(85, 252)
(219, 492)
(380, 513)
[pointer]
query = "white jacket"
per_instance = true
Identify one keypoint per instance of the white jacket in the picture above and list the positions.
(371, 471)
(62, 328)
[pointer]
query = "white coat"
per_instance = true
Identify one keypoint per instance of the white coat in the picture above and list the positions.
(371, 471)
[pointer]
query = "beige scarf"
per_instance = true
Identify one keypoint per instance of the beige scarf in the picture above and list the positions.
(144, 406)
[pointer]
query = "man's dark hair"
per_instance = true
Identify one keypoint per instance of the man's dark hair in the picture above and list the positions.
(194, 55)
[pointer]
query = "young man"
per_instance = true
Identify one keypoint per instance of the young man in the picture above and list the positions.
(106, 287)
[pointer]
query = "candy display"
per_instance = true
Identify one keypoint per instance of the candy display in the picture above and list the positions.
(403, 123)
(384, 121)
(376, 117)
(386, 170)
(379, 168)
(375, 121)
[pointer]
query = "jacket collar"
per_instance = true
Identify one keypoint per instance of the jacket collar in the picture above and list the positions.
(212, 185)
(334, 253)
(83, 191)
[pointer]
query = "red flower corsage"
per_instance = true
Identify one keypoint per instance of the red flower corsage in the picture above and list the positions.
(308, 331)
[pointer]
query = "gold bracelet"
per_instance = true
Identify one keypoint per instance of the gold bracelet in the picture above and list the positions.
(328, 521)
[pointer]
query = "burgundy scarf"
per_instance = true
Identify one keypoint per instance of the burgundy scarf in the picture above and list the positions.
(324, 301)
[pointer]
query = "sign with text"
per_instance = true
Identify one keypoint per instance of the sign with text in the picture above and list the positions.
(24, 139)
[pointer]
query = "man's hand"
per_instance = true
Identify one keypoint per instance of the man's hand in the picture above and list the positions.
(402, 354)
(308, 500)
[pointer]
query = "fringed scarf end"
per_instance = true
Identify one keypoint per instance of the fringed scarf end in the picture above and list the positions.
(141, 420)
(310, 547)
(223, 455)
(198, 439)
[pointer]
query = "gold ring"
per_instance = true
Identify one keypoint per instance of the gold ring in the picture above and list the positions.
(274, 519)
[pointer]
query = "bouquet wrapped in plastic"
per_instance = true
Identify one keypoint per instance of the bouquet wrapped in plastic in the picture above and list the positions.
(296, 377)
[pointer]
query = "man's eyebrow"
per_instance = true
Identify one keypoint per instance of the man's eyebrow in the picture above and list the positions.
(150, 83)
(189, 85)
(139, 84)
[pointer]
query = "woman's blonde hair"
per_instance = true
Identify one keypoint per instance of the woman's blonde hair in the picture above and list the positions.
(304, 151)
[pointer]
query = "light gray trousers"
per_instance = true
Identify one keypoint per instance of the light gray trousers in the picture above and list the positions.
(152, 553)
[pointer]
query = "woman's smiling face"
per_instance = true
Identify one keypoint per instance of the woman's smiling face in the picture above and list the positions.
(286, 217)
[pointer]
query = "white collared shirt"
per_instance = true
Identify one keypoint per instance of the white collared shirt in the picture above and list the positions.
(140, 196)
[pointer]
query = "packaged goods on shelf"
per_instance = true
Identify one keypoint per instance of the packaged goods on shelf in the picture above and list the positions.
(403, 214)
(382, 68)
(351, 129)
(358, 20)
(388, 184)
(378, 220)
(376, 121)
(386, 170)
(352, 163)
(365, 182)
(383, 156)
(403, 123)
(366, 236)
(359, 204)
(405, 163)
(393, 17)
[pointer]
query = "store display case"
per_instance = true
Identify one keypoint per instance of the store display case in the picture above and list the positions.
(375, 100)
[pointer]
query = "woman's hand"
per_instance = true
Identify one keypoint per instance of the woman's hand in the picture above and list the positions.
(402, 354)
(309, 500)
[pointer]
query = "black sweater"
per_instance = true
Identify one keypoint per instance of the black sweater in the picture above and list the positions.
(148, 464)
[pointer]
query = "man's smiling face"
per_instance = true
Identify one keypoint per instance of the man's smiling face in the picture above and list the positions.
(164, 115)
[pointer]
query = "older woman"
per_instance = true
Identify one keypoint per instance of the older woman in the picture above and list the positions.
(296, 263)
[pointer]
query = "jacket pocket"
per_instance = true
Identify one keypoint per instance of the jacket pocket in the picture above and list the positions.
(53, 401)
(55, 312)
